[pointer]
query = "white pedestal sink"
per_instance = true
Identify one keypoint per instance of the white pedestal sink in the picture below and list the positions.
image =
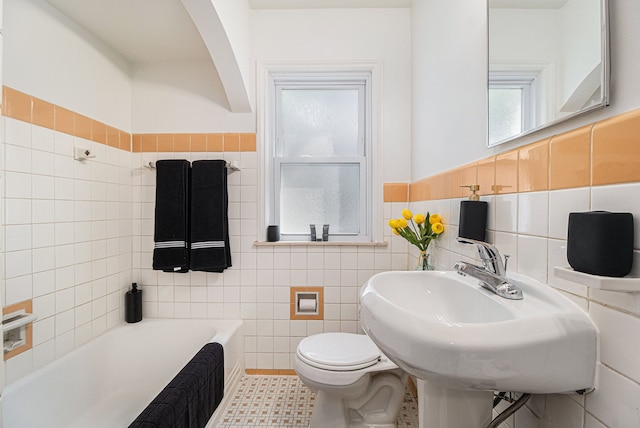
(464, 342)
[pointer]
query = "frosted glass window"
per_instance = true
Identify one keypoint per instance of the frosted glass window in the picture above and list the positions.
(319, 122)
(320, 194)
(505, 113)
(319, 145)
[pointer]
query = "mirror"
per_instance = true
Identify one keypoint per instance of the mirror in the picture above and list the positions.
(548, 61)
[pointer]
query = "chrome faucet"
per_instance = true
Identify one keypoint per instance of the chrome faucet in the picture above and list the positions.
(493, 273)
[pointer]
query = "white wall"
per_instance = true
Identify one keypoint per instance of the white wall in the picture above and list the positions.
(66, 225)
(49, 56)
(343, 35)
(449, 65)
(449, 111)
(174, 97)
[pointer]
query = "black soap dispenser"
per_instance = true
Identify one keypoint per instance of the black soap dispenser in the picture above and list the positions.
(133, 304)
(473, 216)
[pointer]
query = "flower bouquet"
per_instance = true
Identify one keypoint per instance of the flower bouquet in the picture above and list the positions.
(419, 230)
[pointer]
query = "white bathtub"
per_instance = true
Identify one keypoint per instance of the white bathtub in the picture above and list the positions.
(110, 380)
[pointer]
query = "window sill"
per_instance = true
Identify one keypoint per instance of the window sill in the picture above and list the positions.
(319, 244)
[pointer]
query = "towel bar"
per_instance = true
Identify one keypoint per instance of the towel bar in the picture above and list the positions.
(17, 320)
(231, 166)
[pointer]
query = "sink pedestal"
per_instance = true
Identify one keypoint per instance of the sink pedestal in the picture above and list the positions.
(440, 407)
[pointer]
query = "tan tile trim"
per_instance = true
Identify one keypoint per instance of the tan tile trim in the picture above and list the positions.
(171, 143)
(605, 152)
(270, 372)
(396, 192)
(27, 305)
(24, 107)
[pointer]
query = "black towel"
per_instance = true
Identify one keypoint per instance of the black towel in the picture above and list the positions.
(171, 232)
(210, 251)
(189, 400)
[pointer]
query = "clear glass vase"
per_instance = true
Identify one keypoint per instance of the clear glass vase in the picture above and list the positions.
(423, 261)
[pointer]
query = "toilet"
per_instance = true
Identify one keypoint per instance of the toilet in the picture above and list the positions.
(356, 385)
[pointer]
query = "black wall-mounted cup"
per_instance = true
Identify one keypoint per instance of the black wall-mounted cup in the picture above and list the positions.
(273, 233)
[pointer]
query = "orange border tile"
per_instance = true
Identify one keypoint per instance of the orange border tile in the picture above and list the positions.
(198, 142)
(231, 142)
(533, 167)
(16, 104)
(42, 113)
(82, 126)
(182, 142)
(487, 176)
(465, 175)
(248, 142)
(506, 173)
(215, 143)
(570, 159)
(149, 143)
(165, 143)
(64, 121)
(396, 192)
(99, 132)
(616, 149)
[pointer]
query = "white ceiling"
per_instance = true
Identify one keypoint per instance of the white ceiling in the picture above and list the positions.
(161, 30)
(328, 4)
(527, 4)
(140, 30)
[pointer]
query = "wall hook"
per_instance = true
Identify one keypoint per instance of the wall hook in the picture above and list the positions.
(81, 154)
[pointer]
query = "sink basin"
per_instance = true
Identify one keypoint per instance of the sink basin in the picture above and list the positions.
(447, 330)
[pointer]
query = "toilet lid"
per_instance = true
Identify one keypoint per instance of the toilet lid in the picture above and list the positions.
(338, 351)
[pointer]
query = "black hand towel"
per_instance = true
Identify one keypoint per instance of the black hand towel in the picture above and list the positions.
(171, 232)
(210, 250)
(189, 400)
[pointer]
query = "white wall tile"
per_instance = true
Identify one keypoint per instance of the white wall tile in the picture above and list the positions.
(18, 211)
(533, 213)
(616, 400)
(619, 345)
(532, 257)
(18, 185)
(42, 139)
(18, 237)
(42, 187)
(17, 132)
(506, 213)
(620, 198)
(563, 202)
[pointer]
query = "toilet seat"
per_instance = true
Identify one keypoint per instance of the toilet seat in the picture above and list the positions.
(338, 351)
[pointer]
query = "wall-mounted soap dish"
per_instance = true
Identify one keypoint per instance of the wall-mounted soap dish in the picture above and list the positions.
(626, 284)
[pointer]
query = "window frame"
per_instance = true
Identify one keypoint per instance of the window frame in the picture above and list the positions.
(266, 70)
(528, 84)
(326, 80)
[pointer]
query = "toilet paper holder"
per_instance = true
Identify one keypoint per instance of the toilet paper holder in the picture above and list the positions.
(307, 303)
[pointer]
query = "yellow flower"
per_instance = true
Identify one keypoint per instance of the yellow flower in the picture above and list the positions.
(395, 231)
(437, 228)
(407, 214)
(419, 219)
(393, 223)
(401, 223)
(435, 218)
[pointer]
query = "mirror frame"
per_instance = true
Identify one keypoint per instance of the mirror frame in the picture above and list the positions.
(604, 81)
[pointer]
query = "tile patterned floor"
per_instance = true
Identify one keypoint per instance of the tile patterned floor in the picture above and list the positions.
(284, 401)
